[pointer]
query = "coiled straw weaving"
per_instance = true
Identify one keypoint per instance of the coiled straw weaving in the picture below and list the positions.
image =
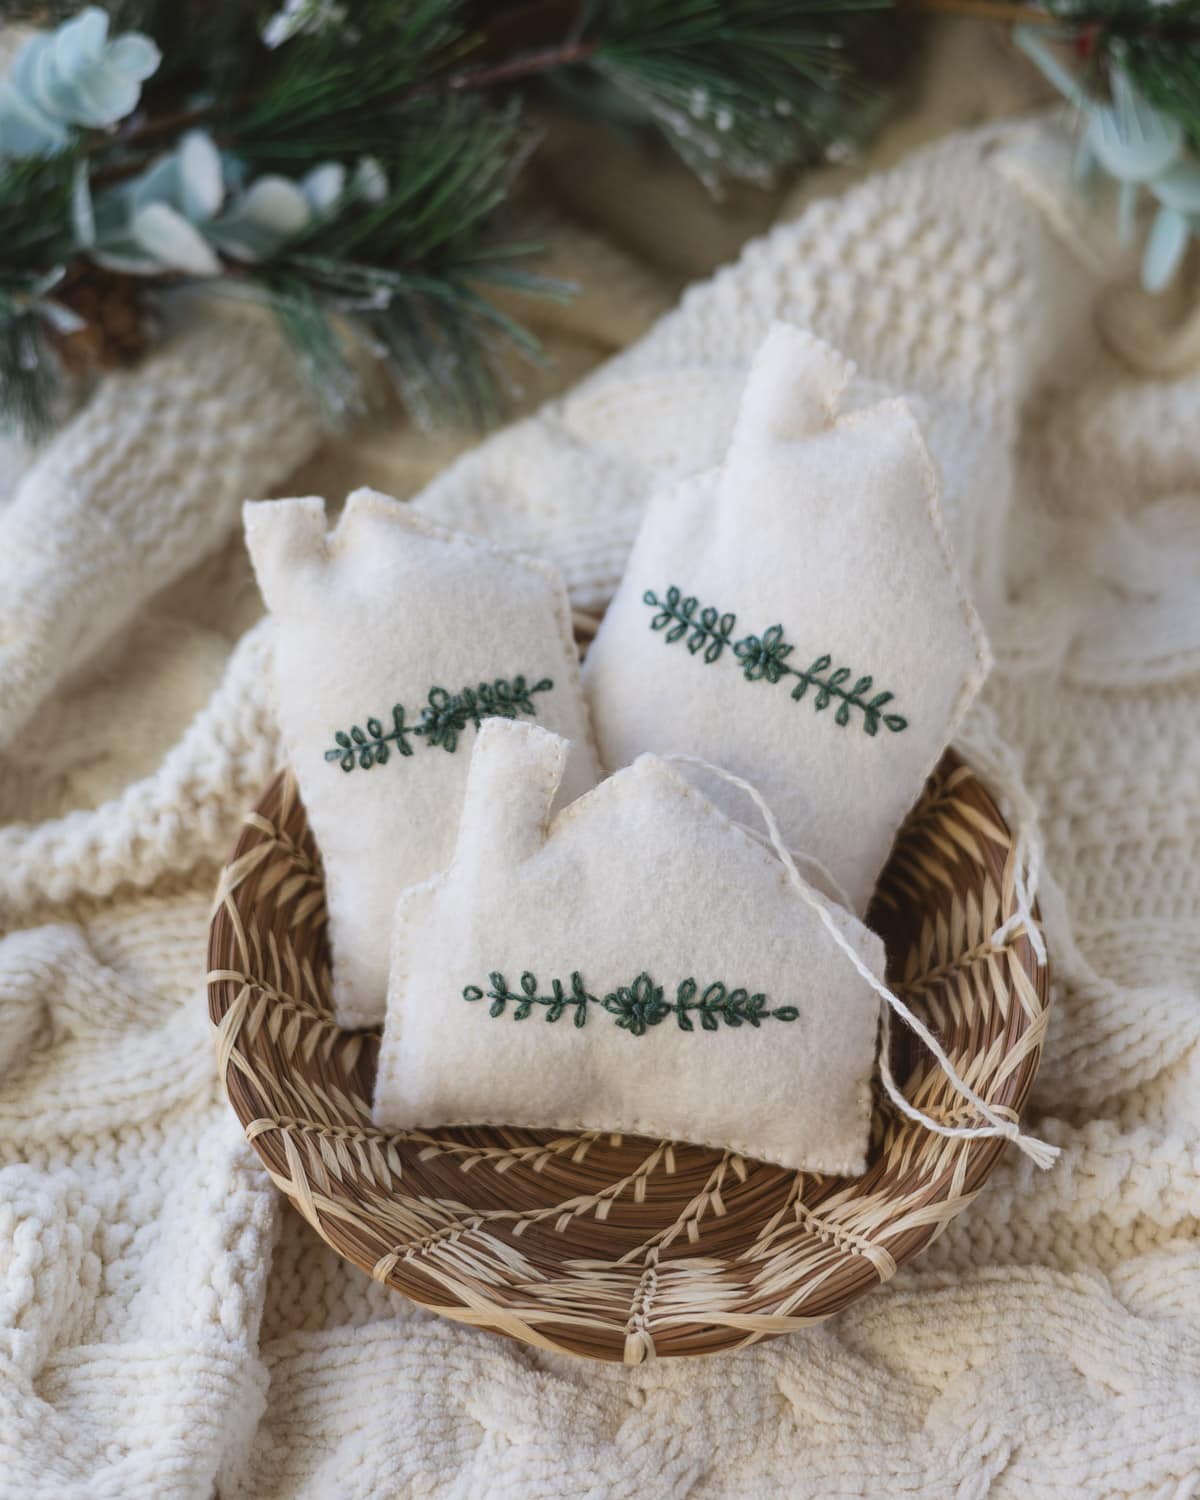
(623, 1248)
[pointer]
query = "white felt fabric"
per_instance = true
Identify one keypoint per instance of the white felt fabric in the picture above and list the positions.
(389, 609)
(643, 875)
(828, 525)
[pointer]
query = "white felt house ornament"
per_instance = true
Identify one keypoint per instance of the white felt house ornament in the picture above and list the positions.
(635, 963)
(394, 641)
(795, 616)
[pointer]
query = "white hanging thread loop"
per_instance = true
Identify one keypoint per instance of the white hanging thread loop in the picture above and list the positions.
(985, 749)
(1041, 1153)
(817, 873)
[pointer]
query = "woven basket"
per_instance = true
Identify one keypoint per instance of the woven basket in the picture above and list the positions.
(620, 1248)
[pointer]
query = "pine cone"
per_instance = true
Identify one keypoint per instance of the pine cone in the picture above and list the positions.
(116, 328)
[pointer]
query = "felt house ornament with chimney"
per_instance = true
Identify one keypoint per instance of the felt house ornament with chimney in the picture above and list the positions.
(634, 963)
(795, 616)
(394, 641)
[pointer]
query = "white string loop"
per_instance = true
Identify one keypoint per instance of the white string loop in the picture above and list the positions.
(816, 873)
(986, 750)
(1041, 1153)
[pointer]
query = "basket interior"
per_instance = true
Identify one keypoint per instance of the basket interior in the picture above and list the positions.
(612, 1247)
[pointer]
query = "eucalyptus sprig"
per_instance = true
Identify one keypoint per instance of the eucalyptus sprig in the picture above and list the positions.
(1138, 97)
(351, 164)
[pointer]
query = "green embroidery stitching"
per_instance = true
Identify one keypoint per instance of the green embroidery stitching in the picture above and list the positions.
(636, 1007)
(764, 659)
(443, 718)
(710, 633)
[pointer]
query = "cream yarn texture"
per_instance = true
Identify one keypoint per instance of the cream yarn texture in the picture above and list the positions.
(166, 1331)
(392, 636)
(680, 1009)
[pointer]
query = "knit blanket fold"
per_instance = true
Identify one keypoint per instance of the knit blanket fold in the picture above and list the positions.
(167, 1331)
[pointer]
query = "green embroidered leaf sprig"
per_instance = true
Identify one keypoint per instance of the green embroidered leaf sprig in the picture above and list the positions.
(764, 658)
(444, 717)
(635, 1007)
(709, 632)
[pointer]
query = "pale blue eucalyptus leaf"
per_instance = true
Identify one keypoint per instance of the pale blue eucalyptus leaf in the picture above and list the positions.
(370, 180)
(25, 65)
(1127, 199)
(1039, 52)
(166, 236)
(1179, 187)
(1166, 245)
(56, 71)
(323, 186)
(1083, 162)
(124, 254)
(275, 203)
(200, 180)
(41, 77)
(79, 42)
(243, 240)
(266, 216)
(24, 129)
(159, 183)
(111, 212)
(235, 172)
(83, 214)
(135, 55)
(1133, 141)
(104, 95)
(73, 76)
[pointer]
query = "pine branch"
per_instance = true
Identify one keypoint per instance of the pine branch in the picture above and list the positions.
(1170, 81)
(526, 65)
(1131, 21)
(1156, 43)
(742, 90)
(1173, 21)
(407, 269)
(35, 211)
(35, 239)
(1159, 47)
(346, 93)
(27, 376)
(431, 92)
(1008, 12)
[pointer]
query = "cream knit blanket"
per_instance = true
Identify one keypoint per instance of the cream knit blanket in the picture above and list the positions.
(165, 1329)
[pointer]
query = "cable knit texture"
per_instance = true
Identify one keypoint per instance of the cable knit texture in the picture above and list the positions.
(165, 1332)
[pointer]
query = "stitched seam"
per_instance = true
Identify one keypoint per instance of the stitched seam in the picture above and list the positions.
(983, 655)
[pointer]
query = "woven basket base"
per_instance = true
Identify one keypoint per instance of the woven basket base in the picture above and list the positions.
(620, 1248)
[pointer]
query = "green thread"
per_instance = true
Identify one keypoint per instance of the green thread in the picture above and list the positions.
(709, 633)
(444, 717)
(635, 1007)
(764, 659)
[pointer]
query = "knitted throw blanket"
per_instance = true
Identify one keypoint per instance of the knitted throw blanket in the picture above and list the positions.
(167, 1331)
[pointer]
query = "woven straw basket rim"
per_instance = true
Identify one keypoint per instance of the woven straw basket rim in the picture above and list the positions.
(622, 1248)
